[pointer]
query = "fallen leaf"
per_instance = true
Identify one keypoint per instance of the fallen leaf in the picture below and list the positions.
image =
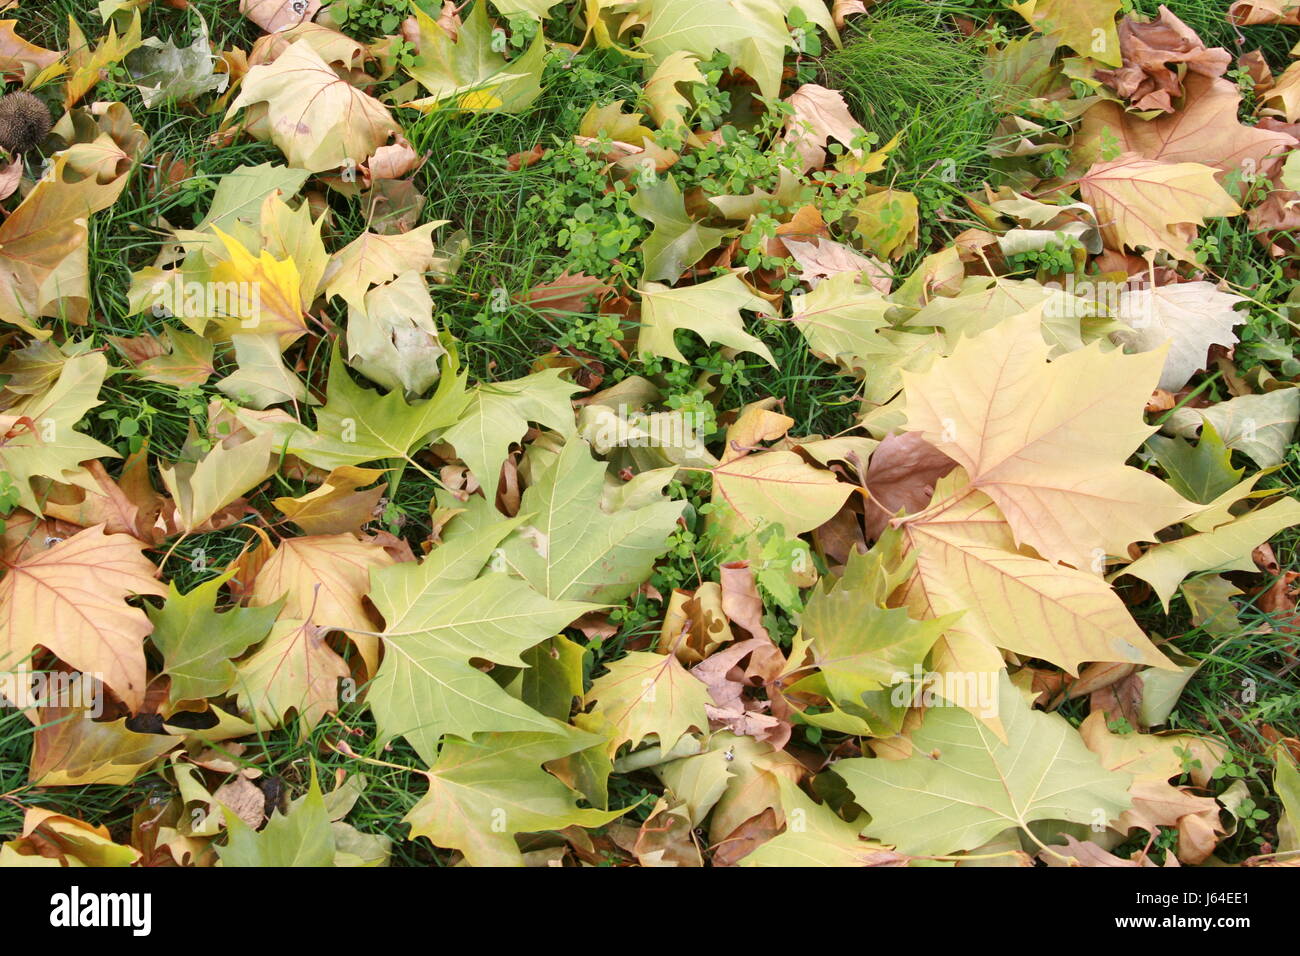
(977, 785)
(317, 120)
(1046, 475)
(1189, 316)
(1156, 205)
(901, 474)
(1145, 79)
(71, 599)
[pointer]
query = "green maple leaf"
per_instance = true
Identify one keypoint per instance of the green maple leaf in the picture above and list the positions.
(1200, 472)
(497, 414)
(962, 786)
(440, 614)
(468, 70)
(1286, 784)
(41, 440)
(709, 309)
(198, 644)
(1259, 426)
(1228, 547)
(553, 676)
(815, 835)
(858, 645)
(241, 192)
(841, 321)
(570, 549)
(678, 241)
(301, 837)
(262, 379)
(537, 9)
(751, 32)
(483, 792)
(357, 425)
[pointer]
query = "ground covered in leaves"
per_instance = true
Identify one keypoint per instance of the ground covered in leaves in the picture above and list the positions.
(649, 432)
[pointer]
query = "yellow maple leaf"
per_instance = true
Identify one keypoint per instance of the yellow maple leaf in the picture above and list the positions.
(323, 579)
(643, 694)
(71, 599)
(776, 487)
(258, 295)
(336, 505)
(1048, 441)
(87, 66)
(1143, 202)
(43, 242)
(52, 839)
(295, 669)
(372, 259)
(966, 561)
(1085, 26)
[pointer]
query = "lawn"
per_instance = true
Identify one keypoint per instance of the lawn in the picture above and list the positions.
(649, 432)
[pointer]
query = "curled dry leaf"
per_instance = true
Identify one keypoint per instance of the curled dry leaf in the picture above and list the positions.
(1146, 79)
(901, 474)
(275, 16)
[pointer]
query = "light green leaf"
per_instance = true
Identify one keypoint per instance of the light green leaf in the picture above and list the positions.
(198, 644)
(858, 644)
(752, 33)
(666, 103)
(552, 676)
(1227, 548)
(468, 72)
(439, 616)
(1209, 598)
(1200, 472)
(709, 309)
(1260, 426)
(483, 792)
(537, 9)
(262, 378)
(301, 837)
(961, 786)
(842, 319)
(241, 192)
(202, 488)
(392, 339)
(295, 669)
(678, 241)
(357, 425)
(571, 549)
(698, 781)
(984, 302)
(776, 487)
(1286, 784)
(645, 693)
(496, 414)
(373, 258)
(815, 835)
(46, 444)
